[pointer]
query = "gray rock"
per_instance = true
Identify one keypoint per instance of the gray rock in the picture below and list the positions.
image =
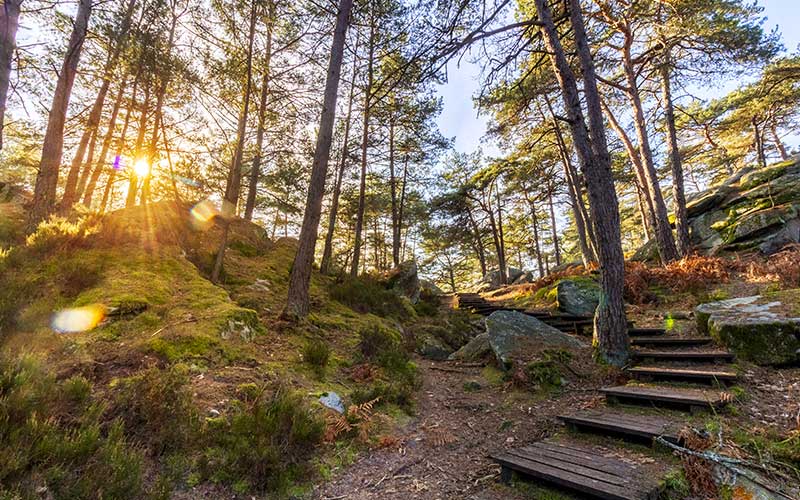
(492, 278)
(476, 349)
(430, 287)
(333, 401)
(514, 336)
(525, 277)
(578, 296)
(764, 329)
(430, 347)
(404, 279)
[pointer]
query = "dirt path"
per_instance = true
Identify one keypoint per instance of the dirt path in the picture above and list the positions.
(443, 451)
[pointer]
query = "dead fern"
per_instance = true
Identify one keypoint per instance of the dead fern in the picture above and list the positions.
(437, 436)
(698, 470)
(356, 420)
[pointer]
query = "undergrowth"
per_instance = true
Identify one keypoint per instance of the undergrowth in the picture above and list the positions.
(367, 295)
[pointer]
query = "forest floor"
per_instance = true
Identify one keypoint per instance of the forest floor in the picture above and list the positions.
(463, 413)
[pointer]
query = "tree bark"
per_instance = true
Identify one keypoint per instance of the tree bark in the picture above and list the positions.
(72, 189)
(684, 245)
(255, 170)
(297, 304)
(234, 183)
(44, 194)
(610, 326)
(9, 23)
(364, 146)
(501, 235)
(327, 252)
(481, 251)
(101, 164)
(401, 210)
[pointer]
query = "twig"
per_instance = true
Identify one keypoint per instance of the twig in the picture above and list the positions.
(449, 370)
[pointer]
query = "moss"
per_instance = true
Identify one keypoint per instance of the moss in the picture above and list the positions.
(188, 347)
(762, 343)
(763, 175)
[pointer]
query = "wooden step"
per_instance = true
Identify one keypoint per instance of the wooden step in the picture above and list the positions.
(682, 374)
(698, 356)
(671, 341)
(683, 398)
(645, 332)
(629, 426)
(579, 469)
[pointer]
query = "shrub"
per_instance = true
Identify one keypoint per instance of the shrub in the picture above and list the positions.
(265, 445)
(689, 274)
(366, 295)
(51, 432)
(375, 340)
(401, 378)
(317, 353)
(156, 409)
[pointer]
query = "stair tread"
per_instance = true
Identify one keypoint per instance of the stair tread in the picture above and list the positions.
(609, 419)
(689, 396)
(687, 372)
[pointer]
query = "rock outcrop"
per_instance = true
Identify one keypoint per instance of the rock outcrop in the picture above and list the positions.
(764, 329)
(476, 349)
(405, 280)
(579, 296)
(516, 337)
(754, 208)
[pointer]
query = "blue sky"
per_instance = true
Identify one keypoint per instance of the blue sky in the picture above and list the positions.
(460, 119)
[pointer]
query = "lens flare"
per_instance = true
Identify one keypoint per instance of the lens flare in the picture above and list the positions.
(141, 167)
(78, 319)
(203, 214)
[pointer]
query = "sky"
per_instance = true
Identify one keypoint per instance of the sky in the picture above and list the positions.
(460, 119)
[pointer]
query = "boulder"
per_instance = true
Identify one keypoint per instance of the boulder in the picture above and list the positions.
(516, 336)
(476, 349)
(525, 277)
(430, 287)
(430, 347)
(492, 278)
(405, 280)
(764, 329)
(579, 296)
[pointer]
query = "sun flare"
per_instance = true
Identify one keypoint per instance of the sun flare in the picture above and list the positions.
(141, 167)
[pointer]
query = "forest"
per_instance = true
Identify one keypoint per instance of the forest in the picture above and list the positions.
(241, 255)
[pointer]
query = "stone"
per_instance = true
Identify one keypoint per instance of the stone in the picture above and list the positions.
(404, 279)
(580, 296)
(764, 329)
(333, 401)
(430, 287)
(476, 349)
(492, 278)
(525, 277)
(755, 223)
(428, 346)
(516, 336)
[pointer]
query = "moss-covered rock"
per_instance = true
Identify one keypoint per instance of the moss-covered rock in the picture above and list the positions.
(764, 329)
(578, 296)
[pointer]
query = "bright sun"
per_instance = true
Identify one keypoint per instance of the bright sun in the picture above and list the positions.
(141, 167)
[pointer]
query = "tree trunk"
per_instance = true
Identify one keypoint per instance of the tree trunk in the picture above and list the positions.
(777, 138)
(536, 246)
(402, 207)
(133, 185)
(556, 250)
(9, 23)
(364, 145)
(638, 168)
(610, 326)
(327, 252)
(255, 170)
(663, 233)
(44, 194)
(501, 235)
(684, 245)
(578, 210)
(121, 141)
(164, 77)
(297, 304)
(72, 189)
(478, 242)
(101, 164)
(234, 183)
(758, 142)
(393, 189)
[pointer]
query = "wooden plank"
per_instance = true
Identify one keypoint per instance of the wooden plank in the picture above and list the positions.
(671, 341)
(583, 471)
(679, 396)
(634, 426)
(684, 355)
(645, 332)
(682, 373)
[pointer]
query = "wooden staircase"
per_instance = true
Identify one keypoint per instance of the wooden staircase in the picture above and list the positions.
(663, 359)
